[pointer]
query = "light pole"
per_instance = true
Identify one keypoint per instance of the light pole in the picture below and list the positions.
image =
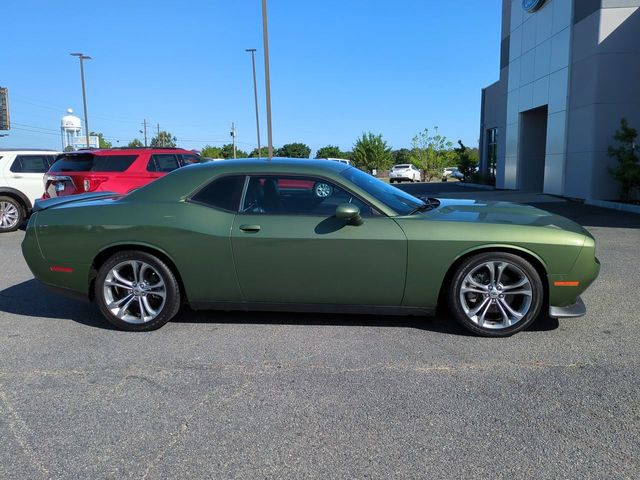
(267, 80)
(255, 93)
(82, 58)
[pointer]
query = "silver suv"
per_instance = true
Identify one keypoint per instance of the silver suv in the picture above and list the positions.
(21, 173)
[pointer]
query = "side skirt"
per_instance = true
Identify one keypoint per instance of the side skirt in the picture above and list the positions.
(313, 308)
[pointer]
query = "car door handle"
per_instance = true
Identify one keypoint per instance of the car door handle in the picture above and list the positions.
(250, 228)
(17, 176)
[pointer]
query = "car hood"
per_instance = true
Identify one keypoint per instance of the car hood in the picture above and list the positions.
(501, 213)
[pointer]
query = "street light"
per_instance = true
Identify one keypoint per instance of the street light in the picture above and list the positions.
(267, 80)
(255, 93)
(82, 58)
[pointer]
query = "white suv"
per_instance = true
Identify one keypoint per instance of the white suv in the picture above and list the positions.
(21, 173)
(405, 171)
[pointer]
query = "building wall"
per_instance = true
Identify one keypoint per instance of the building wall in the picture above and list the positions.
(605, 86)
(538, 75)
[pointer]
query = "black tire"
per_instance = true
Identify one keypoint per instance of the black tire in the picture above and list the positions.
(391, 180)
(172, 291)
(468, 266)
(11, 202)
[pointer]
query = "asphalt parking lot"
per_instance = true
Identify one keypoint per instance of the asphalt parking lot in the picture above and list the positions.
(257, 395)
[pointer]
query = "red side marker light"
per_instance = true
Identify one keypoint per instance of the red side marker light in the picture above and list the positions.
(55, 268)
(566, 284)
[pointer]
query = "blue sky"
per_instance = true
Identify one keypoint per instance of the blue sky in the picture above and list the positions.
(338, 68)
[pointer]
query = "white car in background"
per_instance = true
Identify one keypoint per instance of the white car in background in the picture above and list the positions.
(21, 183)
(452, 172)
(405, 172)
(341, 160)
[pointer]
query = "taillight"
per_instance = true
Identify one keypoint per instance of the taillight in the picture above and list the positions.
(91, 184)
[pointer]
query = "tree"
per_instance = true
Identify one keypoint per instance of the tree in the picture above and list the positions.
(163, 139)
(211, 152)
(401, 156)
(135, 143)
(431, 153)
(628, 170)
(264, 152)
(227, 152)
(69, 148)
(102, 143)
(294, 150)
(329, 152)
(466, 163)
(371, 152)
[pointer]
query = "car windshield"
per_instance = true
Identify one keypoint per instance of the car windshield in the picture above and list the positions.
(394, 198)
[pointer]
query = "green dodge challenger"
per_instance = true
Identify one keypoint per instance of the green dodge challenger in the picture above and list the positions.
(307, 236)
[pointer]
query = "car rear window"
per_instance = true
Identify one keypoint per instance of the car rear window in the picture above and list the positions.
(401, 166)
(93, 163)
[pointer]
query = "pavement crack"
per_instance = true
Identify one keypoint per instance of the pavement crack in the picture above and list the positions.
(19, 430)
(180, 433)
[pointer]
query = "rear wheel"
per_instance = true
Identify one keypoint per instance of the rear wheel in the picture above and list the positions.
(137, 291)
(12, 214)
(496, 294)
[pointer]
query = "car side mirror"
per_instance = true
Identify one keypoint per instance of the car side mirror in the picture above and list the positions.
(349, 213)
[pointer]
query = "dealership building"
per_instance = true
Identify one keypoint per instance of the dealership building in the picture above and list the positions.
(569, 71)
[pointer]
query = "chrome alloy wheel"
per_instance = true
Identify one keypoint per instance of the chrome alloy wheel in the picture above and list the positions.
(134, 292)
(496, 295)
(9, 215)
(323, 190)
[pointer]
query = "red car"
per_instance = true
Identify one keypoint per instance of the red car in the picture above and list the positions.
(118, 170)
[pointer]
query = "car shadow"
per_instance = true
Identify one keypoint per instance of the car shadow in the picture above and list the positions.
(31, 299)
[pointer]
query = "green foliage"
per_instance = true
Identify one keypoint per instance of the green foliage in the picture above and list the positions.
(163, 139)
(329, 151)
(466, 163)
(401, 156)
(227, 152)
(69, 148)
(211, 152)
(135, 143)
(628, 170)
(294, 150)
(371, 152)
(264, 152)
(102, 143)
(432, 153)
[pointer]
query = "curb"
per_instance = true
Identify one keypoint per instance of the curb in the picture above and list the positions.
(475, 185)
(624, 207)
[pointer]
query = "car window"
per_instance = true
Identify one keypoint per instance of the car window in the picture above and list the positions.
(93, 163)
(30, 164)
(163, 162)
(189, 159)
(396, 199)
(223, 193)
(292, 195)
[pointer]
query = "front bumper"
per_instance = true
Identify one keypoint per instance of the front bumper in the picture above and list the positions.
(577, 309)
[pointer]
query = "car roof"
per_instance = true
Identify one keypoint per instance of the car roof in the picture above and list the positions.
(185, 180)
(23, 150)
(126, 150)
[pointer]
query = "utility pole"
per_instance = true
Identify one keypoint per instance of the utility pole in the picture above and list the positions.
(158, 138)
(82, 58)
(145, 131)
(233, 138)
(267, 80)
(255, 94)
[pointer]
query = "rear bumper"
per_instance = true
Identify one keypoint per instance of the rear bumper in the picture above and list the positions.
(577, 309)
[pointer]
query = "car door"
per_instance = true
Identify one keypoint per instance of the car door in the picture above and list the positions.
(26, 174)
(289, 247)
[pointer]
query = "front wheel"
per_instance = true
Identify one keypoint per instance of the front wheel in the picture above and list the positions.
(12, 214)
(496, 294)
(137, 291)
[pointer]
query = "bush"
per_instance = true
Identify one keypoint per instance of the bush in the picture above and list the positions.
(628, 170)
(466, 164)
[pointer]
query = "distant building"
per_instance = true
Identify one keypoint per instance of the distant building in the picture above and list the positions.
(72, 135)
(569, 71)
